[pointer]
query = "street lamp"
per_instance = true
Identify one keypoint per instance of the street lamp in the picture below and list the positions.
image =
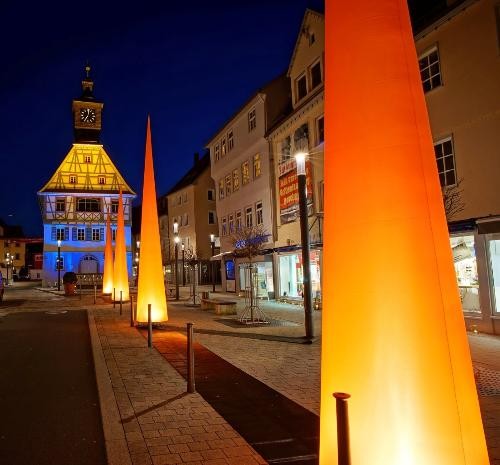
(183, 270)
(138, 245)
(59, 264)
(300, 159)
(176, 242)
(7, 260)
(212, 243)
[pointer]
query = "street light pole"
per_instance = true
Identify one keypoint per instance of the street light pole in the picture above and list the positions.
(212, 243)
(183, 270)
(176, 247)
(58, 264)
(7, 259)
(300, 159)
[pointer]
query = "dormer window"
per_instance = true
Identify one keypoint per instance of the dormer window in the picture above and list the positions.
(101, 180)
(72, 179)
(301, 87)
(88, 158)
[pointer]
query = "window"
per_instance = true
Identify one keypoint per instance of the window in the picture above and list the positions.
(217, 152)
(256, 166)
(320, 125)
(96, 234)
(221, 188)
(114, 206)
(72, 179)
(60, 263)
(312, 38)
(211, 217)
(231, 223)
(228, 186)
(252, 120)
(430, 72)
(301, 138)
(321, 189)
(113, 234)
(88, 205)
(80, 234)
(245, 173)
(259, 216)
(101, 180)
(88, 158)
(230, 140)
(236, 180)
(185, 197)
(248, 217)
(60, 205)
(286, 148)
(223, 146)
(301, 87)
(445, 162)
(60, 234)
(186, 219)
(224, 226)
(315, 72)
(238, 220)
(211, 194)
(179, 199)
(18, 256)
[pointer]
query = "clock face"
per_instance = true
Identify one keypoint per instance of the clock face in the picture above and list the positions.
(87, 115)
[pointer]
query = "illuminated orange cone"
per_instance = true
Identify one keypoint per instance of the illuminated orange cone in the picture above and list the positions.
(393, 331)
(151, 287)
(120, 272)
(107, 279)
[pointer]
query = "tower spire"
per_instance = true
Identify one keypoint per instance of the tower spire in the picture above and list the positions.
(87, 83)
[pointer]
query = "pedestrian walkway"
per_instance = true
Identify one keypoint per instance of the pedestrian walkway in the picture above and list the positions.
(279, 429)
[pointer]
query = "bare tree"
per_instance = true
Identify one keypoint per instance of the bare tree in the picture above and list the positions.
(452, 199)
(192, 262)
(248, 242)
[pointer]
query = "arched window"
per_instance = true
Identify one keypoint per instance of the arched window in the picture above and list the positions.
(88, 205)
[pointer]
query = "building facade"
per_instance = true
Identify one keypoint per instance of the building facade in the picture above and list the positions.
(241, 168)
(191, 204)
(460, 68)
(300, 131)
(79, 197)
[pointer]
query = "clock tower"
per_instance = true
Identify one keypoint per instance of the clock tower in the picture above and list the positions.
(87, 113)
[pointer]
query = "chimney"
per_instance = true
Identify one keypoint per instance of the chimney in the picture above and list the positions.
(196, 158)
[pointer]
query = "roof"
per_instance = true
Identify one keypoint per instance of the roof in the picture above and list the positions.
(426, 14)
(11, 231)
(194, 172)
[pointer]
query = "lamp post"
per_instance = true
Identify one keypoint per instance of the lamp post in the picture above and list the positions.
(7, 260)
(176, 247)
(183, 270)
(59, 264)
(212, 243)
(300, 159)
(138, 245)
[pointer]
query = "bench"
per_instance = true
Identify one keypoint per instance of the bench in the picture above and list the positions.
(220, 306)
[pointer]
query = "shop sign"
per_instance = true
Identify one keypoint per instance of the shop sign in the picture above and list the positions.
(289, 192)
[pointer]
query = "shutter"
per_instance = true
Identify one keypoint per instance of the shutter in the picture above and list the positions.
(74, 234)
(101, 234)
(88, 234)
(66, 233)
(53, 233)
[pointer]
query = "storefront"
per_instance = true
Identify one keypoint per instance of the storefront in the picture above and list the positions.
(291, 276)
(264, 282)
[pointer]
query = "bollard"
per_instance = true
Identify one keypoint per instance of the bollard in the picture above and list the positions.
(121, 302)
(132, 311)
(190, 359)
(150, 328)
(344, 455)
(114, 297)
(95, 294)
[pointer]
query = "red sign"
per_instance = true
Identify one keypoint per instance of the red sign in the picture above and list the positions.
(289, 194)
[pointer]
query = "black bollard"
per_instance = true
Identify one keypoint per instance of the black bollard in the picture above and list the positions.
(121, 302)
(114, 297)
(150, 328)
(190, 359)
(132, 311)
(344, 454)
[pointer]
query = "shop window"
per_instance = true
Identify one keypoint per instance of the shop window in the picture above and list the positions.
(445, 160)
(494, 259)
(291, 275)
(464, 258)
(430, 71)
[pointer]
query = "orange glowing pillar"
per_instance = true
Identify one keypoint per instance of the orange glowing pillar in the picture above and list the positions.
(151, 287)
(393, 332)
(107, 279)
(120, 272)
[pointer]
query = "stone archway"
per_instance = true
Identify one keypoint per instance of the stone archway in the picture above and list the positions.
(89, 265)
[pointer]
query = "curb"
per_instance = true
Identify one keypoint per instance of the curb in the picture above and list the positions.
(117, 451)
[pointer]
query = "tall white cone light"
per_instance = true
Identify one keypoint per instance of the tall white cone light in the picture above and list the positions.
(120, 271)
(151, 287)
(393, 332)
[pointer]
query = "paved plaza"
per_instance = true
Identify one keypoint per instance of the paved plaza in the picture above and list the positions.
(148, 418)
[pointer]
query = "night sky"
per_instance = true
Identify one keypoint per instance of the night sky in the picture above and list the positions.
(189, 64)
